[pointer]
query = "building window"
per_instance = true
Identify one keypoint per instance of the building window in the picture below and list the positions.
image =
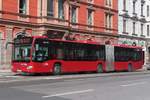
(22, 6)
(61, 9)
(133, 27)
(134, 7)
(148, 29)
(90, 17)
(50, 8)
(148, 11)
(124, 25)
(90, 1)
(41, 7)
(142, 9)
(108, 21)
(74, 14)
(142, 29)
(1, 37)
(109, 3)
(124, 5)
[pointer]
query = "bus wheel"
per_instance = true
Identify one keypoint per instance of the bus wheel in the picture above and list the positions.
(99, 68)
(57, 69)
(130, 68)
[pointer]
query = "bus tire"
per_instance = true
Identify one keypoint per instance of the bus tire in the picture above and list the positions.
(99, 68)
(130, 68)
(57, 69)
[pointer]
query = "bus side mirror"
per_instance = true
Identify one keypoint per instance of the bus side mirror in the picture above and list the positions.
(8, 44)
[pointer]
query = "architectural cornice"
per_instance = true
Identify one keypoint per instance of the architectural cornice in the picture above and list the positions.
(134, 17)
(29, 24)
(125, 15)
(59, 27)
(142, 20)
(132, 37)
(95, 32)
(98, 6)
(74, 3)
(17, 14)
(91, 7)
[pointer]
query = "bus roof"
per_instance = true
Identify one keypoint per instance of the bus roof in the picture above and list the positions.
(90, 42)
(72, 41)
(127, 46)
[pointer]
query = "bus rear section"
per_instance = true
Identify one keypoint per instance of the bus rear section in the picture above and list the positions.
(128, 58)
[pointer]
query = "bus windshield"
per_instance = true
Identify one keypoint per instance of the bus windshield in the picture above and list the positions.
(22, 53)
(22, 49)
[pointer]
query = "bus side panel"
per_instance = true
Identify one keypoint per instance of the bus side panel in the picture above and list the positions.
(79, 66)
(66, 66)
(121, 66)
(44, 67)
(137, 64)
(37, 67)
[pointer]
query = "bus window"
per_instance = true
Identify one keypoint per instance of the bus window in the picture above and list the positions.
(137, 55)
(122, 54)
(41, 51)
(59, 53)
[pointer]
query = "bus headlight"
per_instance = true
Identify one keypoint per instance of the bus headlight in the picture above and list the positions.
(29, 67)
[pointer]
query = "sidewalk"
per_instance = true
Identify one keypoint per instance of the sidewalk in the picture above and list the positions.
(6, 72)
(5, 68)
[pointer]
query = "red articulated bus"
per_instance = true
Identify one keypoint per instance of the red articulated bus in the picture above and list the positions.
(39, 54)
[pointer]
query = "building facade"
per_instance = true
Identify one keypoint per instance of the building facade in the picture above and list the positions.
(80, 20)
(133, 28)
(147, 12)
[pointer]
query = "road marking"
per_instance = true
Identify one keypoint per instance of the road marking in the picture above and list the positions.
(75, 80)
(12, 76)
(6, 81)
(68, 93)
(48, 78)
(133, 84)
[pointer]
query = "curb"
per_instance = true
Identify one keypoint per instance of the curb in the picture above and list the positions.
(99, 75)
(76, 76)
(79, 76)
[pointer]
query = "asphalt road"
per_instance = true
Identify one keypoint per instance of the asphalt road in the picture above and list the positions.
(115, 87)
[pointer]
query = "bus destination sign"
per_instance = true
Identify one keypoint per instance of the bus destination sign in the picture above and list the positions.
(24, 40)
